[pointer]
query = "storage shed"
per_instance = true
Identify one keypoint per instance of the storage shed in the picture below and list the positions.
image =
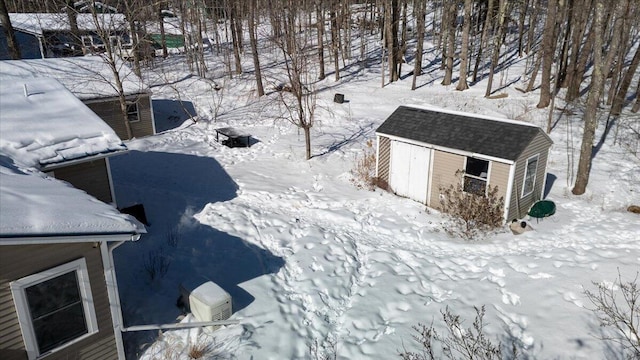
(423, 150)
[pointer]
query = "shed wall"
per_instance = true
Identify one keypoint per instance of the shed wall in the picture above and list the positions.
(90, 176)
(445, 165)
(384, 158)
(499, 176)
(19, 261)
(520, 205)
(109, 111)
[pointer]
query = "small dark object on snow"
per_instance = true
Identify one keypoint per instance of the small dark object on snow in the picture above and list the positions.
(338, 98)
(518, 228)
(634, 209)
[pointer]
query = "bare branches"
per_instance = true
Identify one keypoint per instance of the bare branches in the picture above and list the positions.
(617, 307)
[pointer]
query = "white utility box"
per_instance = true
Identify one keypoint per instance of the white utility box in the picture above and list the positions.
(207, 302)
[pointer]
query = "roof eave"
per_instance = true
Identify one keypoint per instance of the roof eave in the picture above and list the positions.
(448, 149)
(35, 239)
(60, 164)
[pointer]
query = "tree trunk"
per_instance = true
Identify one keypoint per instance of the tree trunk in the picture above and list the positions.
(618, 101)
(548, 50)
(451, 42)
(483, 39)
(320, 30)
(521, 19)
(503, 5)
(14, 49)
(419, 8)
(591, 108)
(253, 41)
(464, 51)
(335, 38)
(163, 37)
(235, 38)
(573, 90)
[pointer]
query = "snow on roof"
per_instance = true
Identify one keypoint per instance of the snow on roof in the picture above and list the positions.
(37, 23)
(87, 77)
(32, 204)
(42, 123)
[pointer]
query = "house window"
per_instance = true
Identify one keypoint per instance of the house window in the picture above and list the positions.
(132, 112)
(530, 176)
(475, 176)
(55, 308)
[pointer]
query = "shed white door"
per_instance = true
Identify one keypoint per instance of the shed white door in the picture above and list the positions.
(409, 170)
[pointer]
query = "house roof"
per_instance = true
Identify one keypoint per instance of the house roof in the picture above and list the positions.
(87, 77)
(499, 138)
(37, 23)
(34, 205)
(42, 123)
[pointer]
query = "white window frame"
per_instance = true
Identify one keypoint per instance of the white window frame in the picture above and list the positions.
(133, 103)
(18, 288)
(535, 175)
(465, 174)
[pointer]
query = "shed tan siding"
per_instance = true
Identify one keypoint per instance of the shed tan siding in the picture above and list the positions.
(384, 156)
(109, 111)
(520, 205)
(19, 261)
(90, 176)
(445, 165)
(499, 176)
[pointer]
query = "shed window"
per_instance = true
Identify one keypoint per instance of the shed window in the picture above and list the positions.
(54, 307)
(132, 112)
(530, 176)
(475, 176)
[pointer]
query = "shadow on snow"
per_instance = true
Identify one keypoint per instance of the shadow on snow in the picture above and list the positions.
(174, 188)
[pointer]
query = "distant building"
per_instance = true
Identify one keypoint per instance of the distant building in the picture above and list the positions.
(46, 35)
(91, 80)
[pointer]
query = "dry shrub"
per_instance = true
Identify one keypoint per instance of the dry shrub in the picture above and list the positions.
(471, 215)
(460, 343)
(199, 350)
(364, 172)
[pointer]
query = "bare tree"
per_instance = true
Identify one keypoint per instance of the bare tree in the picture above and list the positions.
(419, 11)
(617, 307)
(14, 49)
(464, 50)
(449, 24)
(253, 40)
(591, 109)
(298, 99)
(548, 50)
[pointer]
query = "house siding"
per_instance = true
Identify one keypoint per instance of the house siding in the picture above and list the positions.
(384, 156)
(499, 176)
(90, 176)
(19, 261)
(445, 165)
(109, 111)
(519, 206)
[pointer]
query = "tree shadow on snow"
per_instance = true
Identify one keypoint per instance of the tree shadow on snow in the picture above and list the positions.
(174, 188)
(170, 114)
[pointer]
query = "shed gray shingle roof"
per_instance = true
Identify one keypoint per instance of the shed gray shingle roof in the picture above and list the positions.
(500, 139)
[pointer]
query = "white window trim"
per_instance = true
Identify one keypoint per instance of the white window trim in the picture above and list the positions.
(22, 308)
(486, 180)
(137, 111)
(535, 175)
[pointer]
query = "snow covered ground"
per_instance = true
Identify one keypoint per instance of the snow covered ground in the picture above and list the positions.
(317, 264)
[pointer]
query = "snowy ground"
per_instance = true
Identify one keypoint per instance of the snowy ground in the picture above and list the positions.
(312, 261)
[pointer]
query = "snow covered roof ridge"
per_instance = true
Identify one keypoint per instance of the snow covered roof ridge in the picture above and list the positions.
(87, 77)
(42, 123)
